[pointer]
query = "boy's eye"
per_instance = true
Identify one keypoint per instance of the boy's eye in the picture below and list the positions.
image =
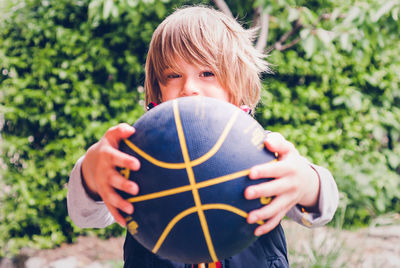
(170, 76)
(207, 74)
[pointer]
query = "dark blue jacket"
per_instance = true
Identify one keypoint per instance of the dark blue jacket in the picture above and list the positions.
(268, 251)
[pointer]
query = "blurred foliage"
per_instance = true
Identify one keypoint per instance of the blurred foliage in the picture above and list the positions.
(71, 69)
(336, 96)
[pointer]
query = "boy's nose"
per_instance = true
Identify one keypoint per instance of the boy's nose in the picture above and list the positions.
(190, 88)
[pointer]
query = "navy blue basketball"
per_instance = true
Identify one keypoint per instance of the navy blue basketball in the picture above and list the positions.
(195, 155)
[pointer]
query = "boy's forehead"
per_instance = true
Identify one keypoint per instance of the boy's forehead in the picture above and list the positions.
(177, 63)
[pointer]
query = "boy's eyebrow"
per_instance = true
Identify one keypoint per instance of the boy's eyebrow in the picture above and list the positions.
(168, 70)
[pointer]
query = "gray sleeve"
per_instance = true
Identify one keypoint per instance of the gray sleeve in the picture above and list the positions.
(327, 203)
(83, 210)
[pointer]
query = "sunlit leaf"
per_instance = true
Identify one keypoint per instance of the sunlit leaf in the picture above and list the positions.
(108, 6)
(383, 10)
(293, 14)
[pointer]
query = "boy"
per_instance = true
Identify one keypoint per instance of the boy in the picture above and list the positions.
(201, 51)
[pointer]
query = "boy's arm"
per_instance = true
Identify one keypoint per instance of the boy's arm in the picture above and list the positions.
(82, 209)
(327, 202)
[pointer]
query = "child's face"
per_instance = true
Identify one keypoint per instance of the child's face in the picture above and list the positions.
(191, 80)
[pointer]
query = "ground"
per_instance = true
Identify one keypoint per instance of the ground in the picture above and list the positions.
(375, 246)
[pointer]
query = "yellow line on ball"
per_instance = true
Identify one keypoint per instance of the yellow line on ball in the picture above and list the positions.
(153, 160)
(192, 181)
(219, 142)
(194, 162)
(187, 188)
(171, 225)
(188, 165)
(191, 210)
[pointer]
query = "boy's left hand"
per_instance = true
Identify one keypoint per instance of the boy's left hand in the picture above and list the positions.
(295, 182)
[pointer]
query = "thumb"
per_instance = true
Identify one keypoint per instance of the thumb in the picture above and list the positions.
(115, 134)
(276, 143)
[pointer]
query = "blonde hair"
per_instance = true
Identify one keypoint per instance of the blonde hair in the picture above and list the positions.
(207, 37)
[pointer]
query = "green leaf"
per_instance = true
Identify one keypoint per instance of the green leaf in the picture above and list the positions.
(108, 6)
(395, 13)
(383, 10)
(325, 36)
(353, 14)
(294, 14)
(309, 45)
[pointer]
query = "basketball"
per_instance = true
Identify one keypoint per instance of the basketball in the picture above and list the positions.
(195, 155)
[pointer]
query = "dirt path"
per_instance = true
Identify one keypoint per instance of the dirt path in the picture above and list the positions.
(376, 246)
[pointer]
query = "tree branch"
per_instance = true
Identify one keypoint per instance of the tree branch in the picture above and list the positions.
(280, 46)
(263, 37)
(223, 7)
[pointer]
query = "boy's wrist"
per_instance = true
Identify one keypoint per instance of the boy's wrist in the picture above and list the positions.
(94, 196)
(315, 207)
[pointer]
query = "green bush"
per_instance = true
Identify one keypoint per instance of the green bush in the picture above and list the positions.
(336, 95)
(71, 69)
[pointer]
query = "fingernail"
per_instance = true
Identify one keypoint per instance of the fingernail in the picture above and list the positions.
(250, 193)
(129, 209)
(253, 174)
(252, 218)
(135, 165)
(258, 232)
(133, 189)
(126, 127)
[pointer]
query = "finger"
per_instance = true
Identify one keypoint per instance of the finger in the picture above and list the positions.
(267, 189)
(121, 159)
(117, 216)
(275, 142)
(111, 198)
(275, 169)
(269, 225)
(278, 204)
(119, 182)
(116, 133)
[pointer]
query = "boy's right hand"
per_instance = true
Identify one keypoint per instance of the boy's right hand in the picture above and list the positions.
(100, 174)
